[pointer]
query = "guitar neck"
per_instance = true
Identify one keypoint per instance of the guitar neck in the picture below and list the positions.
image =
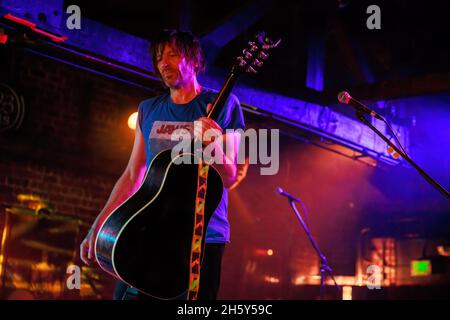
(222, 97)
(251, 59)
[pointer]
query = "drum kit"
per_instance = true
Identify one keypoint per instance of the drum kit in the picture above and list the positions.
(36, 248)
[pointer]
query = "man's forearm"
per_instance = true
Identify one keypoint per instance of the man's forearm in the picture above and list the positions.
(226, 167)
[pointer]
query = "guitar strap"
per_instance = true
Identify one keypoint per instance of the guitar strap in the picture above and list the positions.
(197, 237)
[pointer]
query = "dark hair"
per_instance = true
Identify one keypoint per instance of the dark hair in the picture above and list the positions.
(185, 43)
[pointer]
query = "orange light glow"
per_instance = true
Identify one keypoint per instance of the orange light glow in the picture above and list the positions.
(315, 279)
(346, 293)
(132, 119)
(271, 279)
(3, 243)
(263, 252)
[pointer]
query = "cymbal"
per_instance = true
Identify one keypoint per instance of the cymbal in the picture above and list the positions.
(43, 266)
(45, 247)
(47, 214)
(22, 211)
(22, 197)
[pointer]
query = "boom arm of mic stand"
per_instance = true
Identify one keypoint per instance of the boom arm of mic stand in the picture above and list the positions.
(410, 161)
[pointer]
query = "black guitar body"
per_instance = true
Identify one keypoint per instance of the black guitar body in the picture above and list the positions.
(146, 241)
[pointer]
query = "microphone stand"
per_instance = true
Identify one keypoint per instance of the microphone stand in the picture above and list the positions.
(430, 180)
(324, 267)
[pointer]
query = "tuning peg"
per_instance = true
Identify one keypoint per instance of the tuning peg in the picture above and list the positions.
(257, 63)
(242, 61)
(247, 53)
(270, 44)
(251, 70)
(259, 36)
(262, 55)
(253, 46)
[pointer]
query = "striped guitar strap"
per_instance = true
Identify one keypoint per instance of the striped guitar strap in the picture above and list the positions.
(197, 237)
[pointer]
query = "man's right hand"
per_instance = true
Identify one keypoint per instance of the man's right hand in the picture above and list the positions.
(87, 248)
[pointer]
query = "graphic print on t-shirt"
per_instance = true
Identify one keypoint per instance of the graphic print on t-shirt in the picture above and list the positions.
(167, 134)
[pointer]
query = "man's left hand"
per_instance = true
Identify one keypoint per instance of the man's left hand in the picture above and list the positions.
(202, 125)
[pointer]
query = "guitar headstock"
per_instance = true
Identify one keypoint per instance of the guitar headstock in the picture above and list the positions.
(255, 54)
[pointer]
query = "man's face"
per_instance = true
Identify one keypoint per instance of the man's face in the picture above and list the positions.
(174, 68)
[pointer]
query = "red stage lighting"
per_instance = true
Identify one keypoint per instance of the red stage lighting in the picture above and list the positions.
(33, 27)
(3, 38)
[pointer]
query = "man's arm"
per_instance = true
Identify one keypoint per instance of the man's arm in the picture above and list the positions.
(225, 147)
(228, 170)
(126, 185)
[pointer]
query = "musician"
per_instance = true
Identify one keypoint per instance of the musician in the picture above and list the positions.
(178, 59)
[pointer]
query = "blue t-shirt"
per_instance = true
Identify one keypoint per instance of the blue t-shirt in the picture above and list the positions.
(159, 117)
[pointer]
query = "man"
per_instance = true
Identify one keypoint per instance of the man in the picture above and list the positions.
(178, 58)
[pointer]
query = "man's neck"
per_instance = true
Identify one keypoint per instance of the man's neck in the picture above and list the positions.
(186, 93)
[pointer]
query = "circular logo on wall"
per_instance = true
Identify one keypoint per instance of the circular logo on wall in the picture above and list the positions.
(12, 108)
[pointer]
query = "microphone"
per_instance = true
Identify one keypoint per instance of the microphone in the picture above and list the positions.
(345, 98)
(284, 193)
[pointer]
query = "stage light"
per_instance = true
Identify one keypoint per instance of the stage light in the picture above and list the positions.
(346, 293)
(262, 252)
(443, 250)
(3, 38)
(33, 27)
(132, 119)
(271, 279)
(5, 235)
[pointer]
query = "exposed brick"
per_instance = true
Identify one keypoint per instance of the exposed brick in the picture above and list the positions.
(66, 149)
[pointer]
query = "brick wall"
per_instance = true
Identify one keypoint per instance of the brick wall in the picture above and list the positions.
(74, 141)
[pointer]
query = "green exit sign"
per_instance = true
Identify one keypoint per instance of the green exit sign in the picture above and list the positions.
(420, 268)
